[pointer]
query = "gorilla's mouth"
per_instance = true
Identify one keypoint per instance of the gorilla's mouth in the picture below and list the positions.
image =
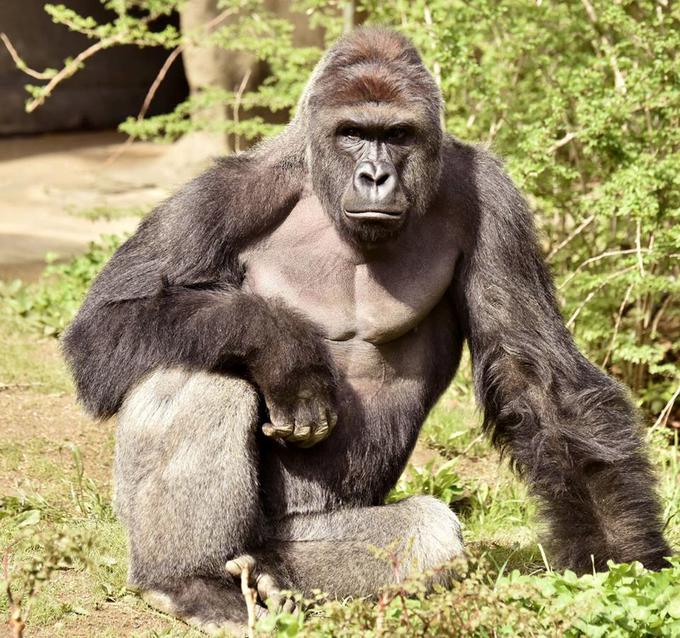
(375, 215)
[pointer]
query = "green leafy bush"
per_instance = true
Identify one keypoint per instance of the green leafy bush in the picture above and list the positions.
(50, 303)
(626, 602)
(442, 483)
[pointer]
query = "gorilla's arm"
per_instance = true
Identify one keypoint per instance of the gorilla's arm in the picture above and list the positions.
(171, 294)
(569, 429)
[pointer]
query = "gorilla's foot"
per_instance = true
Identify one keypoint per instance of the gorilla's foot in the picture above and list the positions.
(214, 606)
(245, 567)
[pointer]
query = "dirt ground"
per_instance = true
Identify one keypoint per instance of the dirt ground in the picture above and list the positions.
(48, 182)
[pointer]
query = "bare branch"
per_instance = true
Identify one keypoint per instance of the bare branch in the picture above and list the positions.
(581, 227)
(638, 248)
(617, 325)
(237, 105)
(562, 142)
(159, 79)
(68, 70)
(666, 412)
(592, 293)
(20, 64)
(591, 260)
(147, 100)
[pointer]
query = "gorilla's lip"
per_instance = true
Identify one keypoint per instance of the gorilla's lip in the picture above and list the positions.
(374, 214)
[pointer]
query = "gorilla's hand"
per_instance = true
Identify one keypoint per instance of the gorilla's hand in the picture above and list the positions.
(309, 421)
(297, 378)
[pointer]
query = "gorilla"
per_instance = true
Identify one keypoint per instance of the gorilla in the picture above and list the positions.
(274, 335)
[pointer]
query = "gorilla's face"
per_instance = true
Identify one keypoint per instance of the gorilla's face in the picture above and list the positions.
(374, 140)
(374, 203)
(374, 168)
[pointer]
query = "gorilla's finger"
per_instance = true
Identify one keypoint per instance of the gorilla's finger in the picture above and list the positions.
(276, 431)
(289, 606)
(267, 589)
(302, 432)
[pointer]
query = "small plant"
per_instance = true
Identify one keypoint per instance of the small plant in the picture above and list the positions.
(49, 304)
(442, 483)
(61, 550)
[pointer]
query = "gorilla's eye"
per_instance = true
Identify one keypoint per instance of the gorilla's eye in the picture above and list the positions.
(397, 135)
(351, 133)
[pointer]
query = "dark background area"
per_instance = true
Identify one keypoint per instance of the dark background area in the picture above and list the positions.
(110, 88)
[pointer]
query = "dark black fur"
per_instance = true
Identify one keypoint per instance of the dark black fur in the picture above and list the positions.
(172, 296)
(570, 430)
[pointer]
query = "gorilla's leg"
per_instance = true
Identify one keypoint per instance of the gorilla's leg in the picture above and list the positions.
(335, 551)
(187, 490)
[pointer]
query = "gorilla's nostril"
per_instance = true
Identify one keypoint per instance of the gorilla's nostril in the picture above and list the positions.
(382, 179)
(366, 178)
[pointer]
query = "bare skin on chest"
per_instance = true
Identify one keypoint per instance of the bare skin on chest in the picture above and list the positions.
(361, 301)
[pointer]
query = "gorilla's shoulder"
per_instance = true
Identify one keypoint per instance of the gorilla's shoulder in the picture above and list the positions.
(471, 157)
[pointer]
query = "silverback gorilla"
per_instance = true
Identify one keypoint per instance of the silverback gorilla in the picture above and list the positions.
(274, 335)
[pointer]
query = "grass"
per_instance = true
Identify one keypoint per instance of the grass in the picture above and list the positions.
(66, 552)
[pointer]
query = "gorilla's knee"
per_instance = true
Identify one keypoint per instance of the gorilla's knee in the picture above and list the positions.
(177, 396)
(436, 532)
(186, 473)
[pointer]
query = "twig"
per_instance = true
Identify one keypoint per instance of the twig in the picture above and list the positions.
(147, 100)
(653, 329)
(237, 105)
(20, 64)
(666, 412)
(591, 260)
(592, 293)
(68, 70)
(638, 248)
(563, 141)
(617, 325)
(436, 67)
(250, 596)
(574, 234)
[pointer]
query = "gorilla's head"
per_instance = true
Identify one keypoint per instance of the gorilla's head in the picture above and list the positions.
(373, 120)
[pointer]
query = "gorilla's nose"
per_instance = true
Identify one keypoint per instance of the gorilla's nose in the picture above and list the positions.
(375, 182)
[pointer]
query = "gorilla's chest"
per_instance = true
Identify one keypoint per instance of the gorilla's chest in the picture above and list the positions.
(350, 296)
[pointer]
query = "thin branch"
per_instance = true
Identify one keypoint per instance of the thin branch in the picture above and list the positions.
(151, 93)
(581, 227)
(148, 99)
(591, 260)
(237, 105)
(436, 67)
(666, 412)
(563, 141)
(20, 64)
(348, 16)
(619, 80)
(638, 248)
(653, 330)
(68, 70)
(617, 325)
(592, 293)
